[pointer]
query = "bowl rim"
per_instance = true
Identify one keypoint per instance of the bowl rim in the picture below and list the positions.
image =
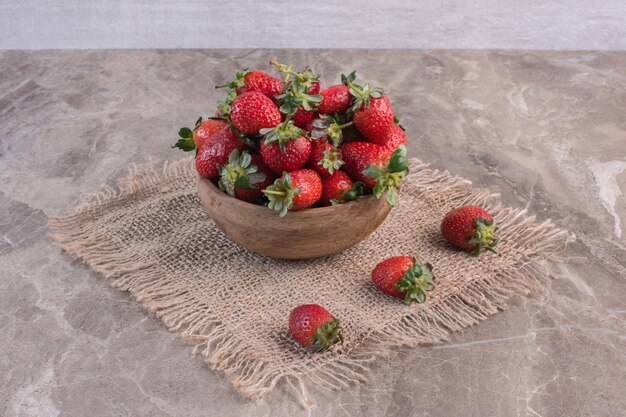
(318, 210)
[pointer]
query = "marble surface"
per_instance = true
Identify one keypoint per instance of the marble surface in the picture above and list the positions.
(547, 129)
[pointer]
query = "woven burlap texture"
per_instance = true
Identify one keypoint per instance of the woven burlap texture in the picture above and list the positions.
(151, 237)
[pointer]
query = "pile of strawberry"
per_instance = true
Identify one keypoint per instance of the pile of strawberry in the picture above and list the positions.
(288, 145)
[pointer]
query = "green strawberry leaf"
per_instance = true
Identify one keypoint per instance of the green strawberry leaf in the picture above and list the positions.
(416, 281)
(357, 190)
(378, 190)
(237, 82)
(238, 172)
(398, 161)
(373, 171)
(321, 123)
(331, 160)
(185, 133)
(221, 169)
(256, 178)
(246, 160)
(362, 95)
(295, 92)
(243, 183)
(348, 79)
(392, 197)
(306, 106)
(281, 194)
(390, 177)
(353, 92)
(185, 144)
(484, 236)
(397, 121)
(317, 133)
(282, 133)
(285, 208)
(233, 157)
(286, 179)
(326, 335)
(287, 108)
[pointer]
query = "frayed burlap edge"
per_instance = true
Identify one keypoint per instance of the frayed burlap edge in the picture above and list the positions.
(225, 352)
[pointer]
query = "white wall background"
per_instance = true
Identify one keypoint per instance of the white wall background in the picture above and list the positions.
(519, 24)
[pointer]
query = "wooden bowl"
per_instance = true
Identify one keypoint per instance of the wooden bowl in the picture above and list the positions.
(303, 234)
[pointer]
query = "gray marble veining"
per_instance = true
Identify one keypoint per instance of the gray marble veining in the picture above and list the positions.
(547, 129)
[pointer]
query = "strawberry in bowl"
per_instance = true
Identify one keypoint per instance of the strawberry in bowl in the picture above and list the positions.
(291, 169)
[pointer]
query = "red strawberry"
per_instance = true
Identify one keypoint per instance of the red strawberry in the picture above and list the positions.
(404, 277)
(312, 326)
(245, 176)
(253, 111)
(255, 80)
(216, 150)
(194, 139)
(373, 115)
(325, 158)
(314, 88)
(310, 185)
(336, 99)
(285, 148)
(383, 171)
(358, 156)
(206, 129)
(302, 118)
(470, 227)
(338, 188)
(375, 119)
(295, 190)
(299, 99)
(392, 139)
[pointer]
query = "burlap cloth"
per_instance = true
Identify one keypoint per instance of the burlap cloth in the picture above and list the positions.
(151, 237)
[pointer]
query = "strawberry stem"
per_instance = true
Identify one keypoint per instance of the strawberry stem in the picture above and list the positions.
(356, 89)
(287, 70)
(271, 192)
(343, 126)
(281, 194)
